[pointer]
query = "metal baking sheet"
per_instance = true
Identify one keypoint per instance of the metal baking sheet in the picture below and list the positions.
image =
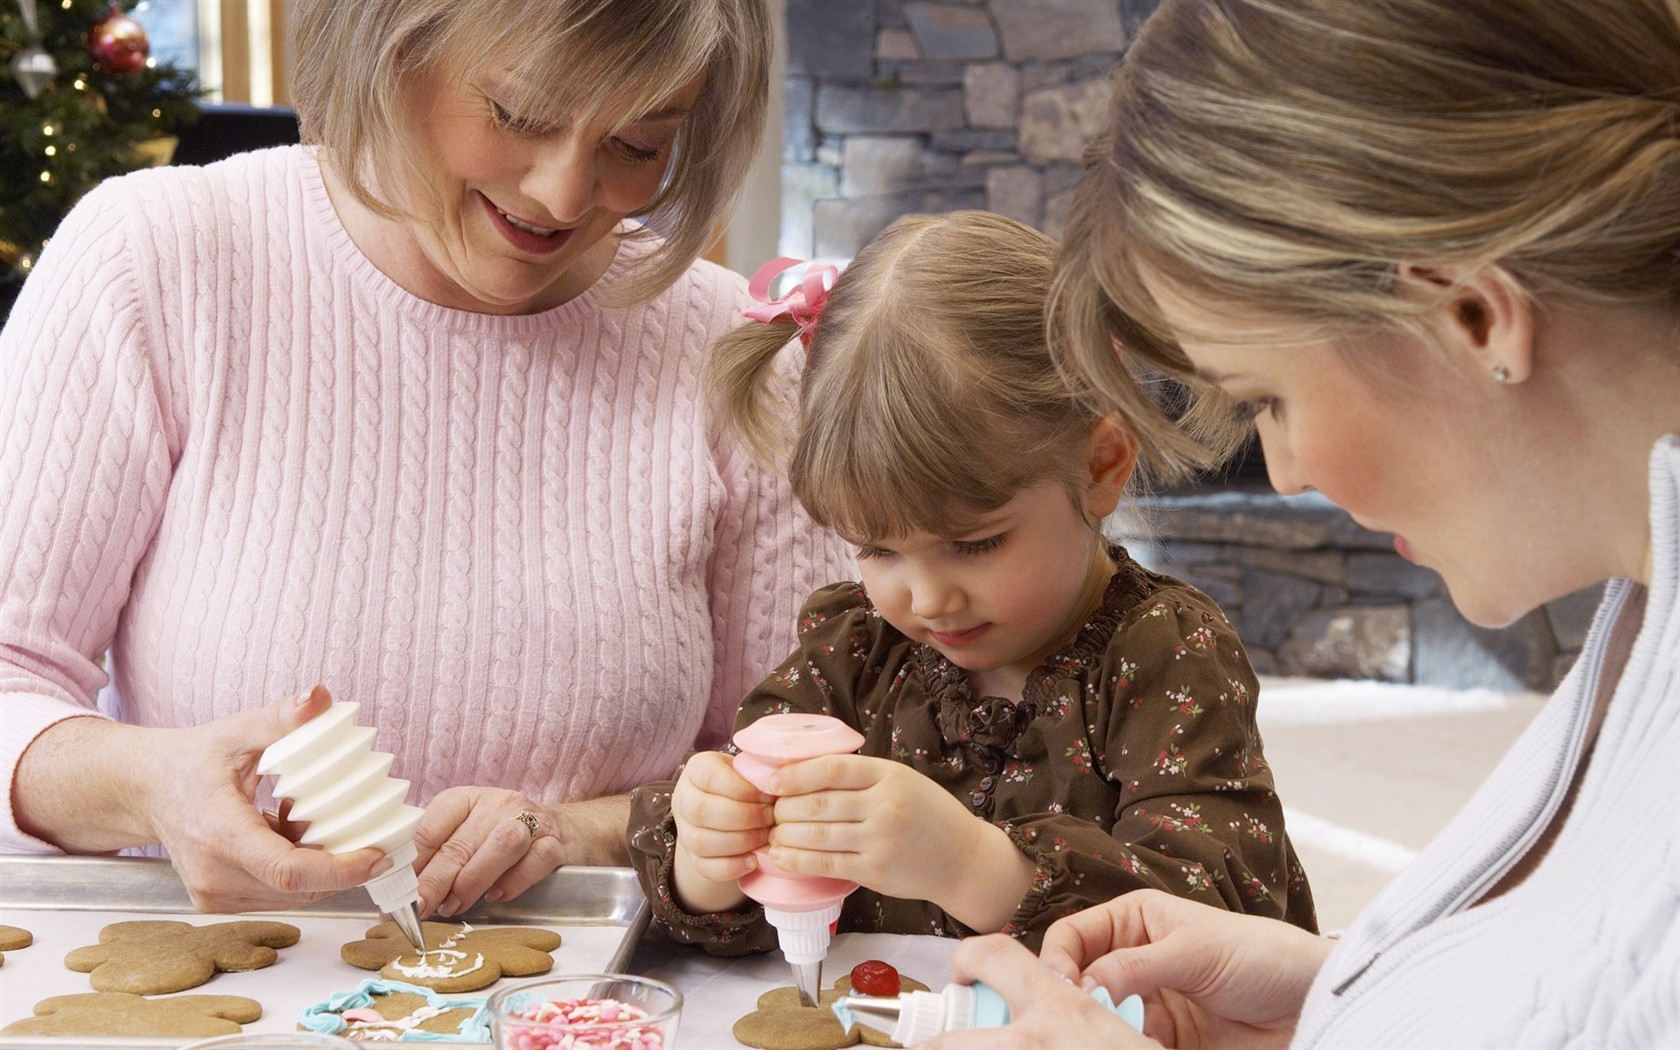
(600, 914)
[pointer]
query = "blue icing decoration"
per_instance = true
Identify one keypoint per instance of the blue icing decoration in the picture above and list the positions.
(842, 1008)
(324, 1017)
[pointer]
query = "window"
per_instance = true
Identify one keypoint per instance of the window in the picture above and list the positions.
(236, 46)
(172, 27)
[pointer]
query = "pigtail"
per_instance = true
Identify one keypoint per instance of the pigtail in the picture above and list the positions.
(745, 392)
(740, 378)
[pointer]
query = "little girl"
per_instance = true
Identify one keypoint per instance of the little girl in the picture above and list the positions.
(1048, 724)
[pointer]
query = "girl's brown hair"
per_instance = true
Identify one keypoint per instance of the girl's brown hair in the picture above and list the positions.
(573, 60)
(928, 396)
(1289, 156)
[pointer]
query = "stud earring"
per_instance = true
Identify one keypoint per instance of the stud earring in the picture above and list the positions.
(1501, 374)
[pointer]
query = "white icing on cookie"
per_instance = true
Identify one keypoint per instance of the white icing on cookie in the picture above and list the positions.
(449, 964)
(390, 1029)
(448, 967)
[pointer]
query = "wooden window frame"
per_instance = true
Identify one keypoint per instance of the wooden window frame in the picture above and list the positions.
(239, 72)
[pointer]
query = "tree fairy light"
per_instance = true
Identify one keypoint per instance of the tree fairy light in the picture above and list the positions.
(85, 108)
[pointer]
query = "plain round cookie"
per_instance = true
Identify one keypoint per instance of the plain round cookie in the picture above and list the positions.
(12, 938)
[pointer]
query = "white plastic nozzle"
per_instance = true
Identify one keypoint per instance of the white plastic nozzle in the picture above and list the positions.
(400, 885)
(926, 1014)
(397, 894)
(804, 935)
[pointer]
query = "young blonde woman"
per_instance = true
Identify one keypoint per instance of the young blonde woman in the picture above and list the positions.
(1432, 248)
(412, 411)
(1032, 700)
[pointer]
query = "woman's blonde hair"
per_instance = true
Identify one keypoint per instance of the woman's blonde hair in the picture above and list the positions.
(571, 60)
(928, 396)
(1289, 156)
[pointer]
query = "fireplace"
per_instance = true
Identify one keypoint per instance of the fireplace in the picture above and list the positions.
(1312, 593)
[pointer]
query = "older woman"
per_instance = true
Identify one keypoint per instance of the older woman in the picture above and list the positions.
(410, 411)
(1432, 249)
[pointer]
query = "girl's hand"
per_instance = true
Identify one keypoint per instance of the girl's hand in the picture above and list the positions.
(881, 824)
(1044, 1009)
(1208, 977)
(721, 819)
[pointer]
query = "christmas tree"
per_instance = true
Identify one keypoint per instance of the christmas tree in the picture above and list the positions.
(79, 103)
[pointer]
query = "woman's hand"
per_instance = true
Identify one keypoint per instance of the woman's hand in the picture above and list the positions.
(720, 819)
(473, 842)
(231, 857)
(1044, 1009)
(1207, 977)
(881, 824)
(89, 785)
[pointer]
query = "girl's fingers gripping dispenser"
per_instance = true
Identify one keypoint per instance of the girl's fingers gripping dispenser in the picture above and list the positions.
(802, 908)
(340, 786)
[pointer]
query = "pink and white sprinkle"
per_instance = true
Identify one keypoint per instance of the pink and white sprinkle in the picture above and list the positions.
(582, 1024)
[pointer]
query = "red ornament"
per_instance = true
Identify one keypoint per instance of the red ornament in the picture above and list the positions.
(875, 978)
(118, 44)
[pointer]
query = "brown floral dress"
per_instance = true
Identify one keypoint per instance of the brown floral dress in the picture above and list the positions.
(1132, 761)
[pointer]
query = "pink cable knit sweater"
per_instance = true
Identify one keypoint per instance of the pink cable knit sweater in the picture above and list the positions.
(237, 455)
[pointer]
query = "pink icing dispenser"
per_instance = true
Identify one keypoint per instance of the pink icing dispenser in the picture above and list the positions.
(802, 908)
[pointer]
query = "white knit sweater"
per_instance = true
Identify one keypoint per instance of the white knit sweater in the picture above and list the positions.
(1586, 950)
(238, 454)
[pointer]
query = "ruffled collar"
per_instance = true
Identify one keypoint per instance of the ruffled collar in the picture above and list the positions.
(997, 722)
(989, 722)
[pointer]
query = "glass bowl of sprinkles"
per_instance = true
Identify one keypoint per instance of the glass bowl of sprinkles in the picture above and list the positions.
(591, 1011)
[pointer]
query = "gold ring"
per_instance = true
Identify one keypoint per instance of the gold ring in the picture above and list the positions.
(529, 819)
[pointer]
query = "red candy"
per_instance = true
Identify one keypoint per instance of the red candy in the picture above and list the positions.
(875, 978)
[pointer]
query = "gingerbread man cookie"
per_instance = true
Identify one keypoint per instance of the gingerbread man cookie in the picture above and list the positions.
(121, 1013)
(458, 958)
(781, 1023)
(12, 938)
(157, 956)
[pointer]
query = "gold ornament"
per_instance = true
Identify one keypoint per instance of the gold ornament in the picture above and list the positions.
(156, 152)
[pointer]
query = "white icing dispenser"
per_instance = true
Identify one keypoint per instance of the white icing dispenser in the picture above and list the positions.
(342, 788)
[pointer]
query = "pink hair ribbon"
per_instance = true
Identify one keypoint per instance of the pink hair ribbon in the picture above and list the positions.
(803, 302)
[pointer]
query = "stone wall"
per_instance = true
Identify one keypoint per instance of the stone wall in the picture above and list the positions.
(896, 106)
(1312, 593)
